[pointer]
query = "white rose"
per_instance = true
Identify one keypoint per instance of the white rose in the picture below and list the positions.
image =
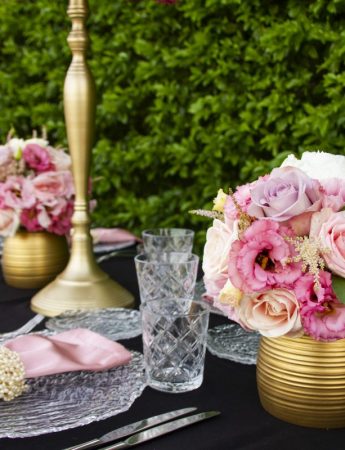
(9, 222)
(60, 159)
(219, 239)
(16, 145)
(318, 165)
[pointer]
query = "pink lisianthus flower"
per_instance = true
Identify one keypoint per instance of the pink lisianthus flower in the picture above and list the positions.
(257, 261)
(29, 219)
(287, 193)
(243, 198)
(61, 223)
(37, 158)
(323, 316)
(273, 313)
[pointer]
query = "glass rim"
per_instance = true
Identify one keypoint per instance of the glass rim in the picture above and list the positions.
(144, 258)
(153, 232)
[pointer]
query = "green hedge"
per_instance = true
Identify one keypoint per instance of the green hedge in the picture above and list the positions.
(191, 97)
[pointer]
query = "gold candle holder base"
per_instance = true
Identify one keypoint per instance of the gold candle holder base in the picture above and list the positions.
(62, 295)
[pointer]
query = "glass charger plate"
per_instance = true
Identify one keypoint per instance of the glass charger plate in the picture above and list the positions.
(231, 341)
(113, 323)
(102, 248)
(68, 400)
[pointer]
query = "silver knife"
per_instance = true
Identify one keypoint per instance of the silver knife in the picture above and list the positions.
(159, 430)
(127, 430)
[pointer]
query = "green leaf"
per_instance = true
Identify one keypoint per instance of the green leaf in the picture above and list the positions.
(338, 285)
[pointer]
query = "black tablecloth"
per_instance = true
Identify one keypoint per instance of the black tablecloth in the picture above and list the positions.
(228, 387)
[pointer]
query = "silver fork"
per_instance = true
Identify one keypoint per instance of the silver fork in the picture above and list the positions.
(26, 328)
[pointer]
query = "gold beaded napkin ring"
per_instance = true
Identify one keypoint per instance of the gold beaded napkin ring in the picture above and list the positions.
(12, 375)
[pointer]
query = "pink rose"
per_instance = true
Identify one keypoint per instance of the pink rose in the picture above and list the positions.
(37, 158)
(219, 238)
(329, 227)
(334, 193)
(257, 261)
(9, 222)
(287, 193)
(273, 313)
(49, 186)
(17, 192)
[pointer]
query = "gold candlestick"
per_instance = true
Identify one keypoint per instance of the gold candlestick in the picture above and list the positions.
(82, 284)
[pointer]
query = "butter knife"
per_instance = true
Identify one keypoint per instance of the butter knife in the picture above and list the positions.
(159, 430)
(127, 430)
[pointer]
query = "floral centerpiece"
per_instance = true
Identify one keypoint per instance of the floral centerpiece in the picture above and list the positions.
(36, 187)
(274, 258)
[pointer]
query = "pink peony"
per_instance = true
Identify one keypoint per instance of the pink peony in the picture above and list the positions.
(257, 261)
(323, 316)
(273, 313)
(329, 227)
(37, 158)
(287, 193)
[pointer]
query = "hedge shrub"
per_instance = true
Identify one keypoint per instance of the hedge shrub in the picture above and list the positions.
(191, 97)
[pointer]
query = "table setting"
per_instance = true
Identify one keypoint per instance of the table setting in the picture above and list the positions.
(164, 319)
(110, 340)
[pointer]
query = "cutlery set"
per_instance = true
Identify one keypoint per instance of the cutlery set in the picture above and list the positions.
(146, 429)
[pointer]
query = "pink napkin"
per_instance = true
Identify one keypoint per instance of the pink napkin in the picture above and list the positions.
(77, 349)
(112, 235)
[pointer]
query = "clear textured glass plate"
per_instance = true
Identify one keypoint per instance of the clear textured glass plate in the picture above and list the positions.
(231, 341)
(103, 248)
(68, 400)
(113, 323)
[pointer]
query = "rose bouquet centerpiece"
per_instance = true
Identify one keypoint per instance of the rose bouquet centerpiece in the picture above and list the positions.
(36, 187)
(274, 258)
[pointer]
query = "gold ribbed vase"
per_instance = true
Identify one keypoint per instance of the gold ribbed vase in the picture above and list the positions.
(32, 260)
(302, 381)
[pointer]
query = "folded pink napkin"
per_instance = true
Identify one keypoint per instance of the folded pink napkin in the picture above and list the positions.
(77, 349)
(112, 235)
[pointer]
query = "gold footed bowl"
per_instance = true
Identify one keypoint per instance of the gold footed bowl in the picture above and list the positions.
(31, 260)
(302, 381)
